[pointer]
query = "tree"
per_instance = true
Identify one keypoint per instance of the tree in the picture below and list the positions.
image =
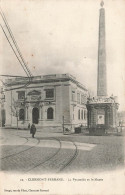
(15, 110)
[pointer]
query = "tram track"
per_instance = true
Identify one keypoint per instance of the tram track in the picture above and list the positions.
(70, 160)
(19, 146)
(18, 136)
(50, 158)
(17, 154)
(50, 161)
(11, 155)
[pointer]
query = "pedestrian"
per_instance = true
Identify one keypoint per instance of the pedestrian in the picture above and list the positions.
(33, 130)
(29, 126)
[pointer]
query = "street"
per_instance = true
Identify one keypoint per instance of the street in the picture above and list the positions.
(57, 153)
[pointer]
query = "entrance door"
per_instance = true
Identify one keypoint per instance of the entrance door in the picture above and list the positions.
(3, 117)
(35, 115)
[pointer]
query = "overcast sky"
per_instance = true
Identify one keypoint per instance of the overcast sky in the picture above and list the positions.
(61, 36)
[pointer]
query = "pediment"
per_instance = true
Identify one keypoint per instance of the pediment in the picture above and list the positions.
(34, 92)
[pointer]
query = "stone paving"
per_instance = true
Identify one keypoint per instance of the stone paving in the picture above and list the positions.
(21, 153)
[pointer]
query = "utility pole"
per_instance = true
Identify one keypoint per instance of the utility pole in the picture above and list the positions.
(63, 123)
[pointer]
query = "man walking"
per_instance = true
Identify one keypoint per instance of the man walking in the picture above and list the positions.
(33, 130)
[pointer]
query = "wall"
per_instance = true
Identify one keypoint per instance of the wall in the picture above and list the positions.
(62, 104)
(75, 106)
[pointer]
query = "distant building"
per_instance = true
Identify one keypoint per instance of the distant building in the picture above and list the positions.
(121, 118)
(2, 110)
(45, 101)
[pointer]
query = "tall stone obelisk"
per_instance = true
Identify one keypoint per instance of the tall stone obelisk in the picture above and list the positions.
(102, 110)
(102, 80)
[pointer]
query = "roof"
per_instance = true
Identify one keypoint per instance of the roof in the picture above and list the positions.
(44, 79)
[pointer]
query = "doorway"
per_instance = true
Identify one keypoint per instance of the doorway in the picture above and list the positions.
(35, 115)
(3, 115)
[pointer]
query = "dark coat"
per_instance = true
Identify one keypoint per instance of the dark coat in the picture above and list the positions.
(29, 126)
(33, 129)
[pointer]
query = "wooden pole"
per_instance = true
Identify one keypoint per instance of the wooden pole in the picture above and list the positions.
(17, 122)
(63, 125)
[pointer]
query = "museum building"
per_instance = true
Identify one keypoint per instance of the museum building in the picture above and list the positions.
(48, 100)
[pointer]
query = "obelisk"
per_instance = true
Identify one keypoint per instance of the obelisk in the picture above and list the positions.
(102, 110)
(101, 79)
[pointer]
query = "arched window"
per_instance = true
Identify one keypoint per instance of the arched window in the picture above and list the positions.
(82, 114)
(50, 113)
(79, 114)
(21, 114)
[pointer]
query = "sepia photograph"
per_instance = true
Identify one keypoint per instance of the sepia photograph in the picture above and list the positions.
(62, 97)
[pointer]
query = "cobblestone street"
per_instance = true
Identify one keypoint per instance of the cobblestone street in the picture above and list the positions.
(58, 153)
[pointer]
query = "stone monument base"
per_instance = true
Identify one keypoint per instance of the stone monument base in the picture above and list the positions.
(102, 115)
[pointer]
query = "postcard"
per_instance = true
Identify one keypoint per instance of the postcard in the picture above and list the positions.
(62, 97)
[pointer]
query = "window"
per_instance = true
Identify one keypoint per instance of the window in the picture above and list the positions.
(21, 114)
(79, 114)
(49, 93)
(78, 98)
(83, 99)
(85, 114)
(50, 113)
(73, 96)
(82, 114)
(2, 97)
(21, 95)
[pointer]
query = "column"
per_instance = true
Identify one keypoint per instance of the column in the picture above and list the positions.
(40, 111)
(26, 113)
(40, 114)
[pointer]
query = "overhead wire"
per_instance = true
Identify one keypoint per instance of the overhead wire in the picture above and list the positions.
(13, 39)
(27, 71)
(13, 49)
(24, 86)
(19, 62)
(11, 76)
(5, 84)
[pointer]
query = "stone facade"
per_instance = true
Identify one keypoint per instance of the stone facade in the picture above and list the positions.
(102, 113)
(46, 101)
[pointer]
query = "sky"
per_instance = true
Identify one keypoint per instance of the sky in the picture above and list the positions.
(61, 36)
